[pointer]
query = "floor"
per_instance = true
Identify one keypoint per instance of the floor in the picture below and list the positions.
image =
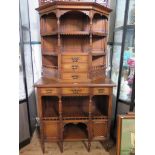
(70, 148)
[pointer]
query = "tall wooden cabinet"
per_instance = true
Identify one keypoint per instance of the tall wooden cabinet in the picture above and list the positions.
(74, 95)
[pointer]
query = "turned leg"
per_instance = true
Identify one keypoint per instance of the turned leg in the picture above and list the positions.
(90, 123)
(61, 124)
(89, 145)
(42, 137)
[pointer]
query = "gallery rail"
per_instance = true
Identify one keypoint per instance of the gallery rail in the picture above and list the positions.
(102, 2)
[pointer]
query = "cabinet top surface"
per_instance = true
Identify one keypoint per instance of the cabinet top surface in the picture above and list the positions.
(44, 82)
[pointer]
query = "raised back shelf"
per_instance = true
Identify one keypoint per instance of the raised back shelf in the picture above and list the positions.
(73, 31)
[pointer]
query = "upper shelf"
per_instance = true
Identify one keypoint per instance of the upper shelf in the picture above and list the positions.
(74, 33)
(74, 23)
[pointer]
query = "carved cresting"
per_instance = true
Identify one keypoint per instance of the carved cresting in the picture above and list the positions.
(102, 2)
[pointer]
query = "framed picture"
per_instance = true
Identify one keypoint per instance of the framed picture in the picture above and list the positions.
(126, 134)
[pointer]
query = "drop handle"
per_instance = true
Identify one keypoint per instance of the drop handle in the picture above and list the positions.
(75, 59)
(75, 91)
(75, 76)
(48, 91)
(74, 66)
(100, 90)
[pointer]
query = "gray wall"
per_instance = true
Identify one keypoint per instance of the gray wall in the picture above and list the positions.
(111, 20)
(23, 123)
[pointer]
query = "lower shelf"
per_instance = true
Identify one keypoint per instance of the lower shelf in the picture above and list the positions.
(74, 132)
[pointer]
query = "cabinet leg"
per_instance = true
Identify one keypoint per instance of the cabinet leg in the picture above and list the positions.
(60, 144)
(42, 137)
(89, 145)
(42, 146)
(61, 147)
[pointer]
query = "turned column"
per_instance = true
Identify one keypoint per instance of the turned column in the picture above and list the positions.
(60, 124)
(59, 45)
(91, 44)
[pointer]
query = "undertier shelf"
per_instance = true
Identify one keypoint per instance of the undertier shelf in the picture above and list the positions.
(75, 108)
(75, 132)
(94, 33)
(50, 114)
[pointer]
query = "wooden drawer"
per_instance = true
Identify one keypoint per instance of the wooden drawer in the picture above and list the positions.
(49, 91)
(50, 129)
(100, 129)
(75, 67)
(101, 91)
(75, 91)
(74, 58)
(74, 77)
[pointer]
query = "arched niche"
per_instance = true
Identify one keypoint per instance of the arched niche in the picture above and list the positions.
(100, 23)
(74, 21)
(48, 23)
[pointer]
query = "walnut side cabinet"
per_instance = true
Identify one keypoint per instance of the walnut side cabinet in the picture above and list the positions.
(74, 97)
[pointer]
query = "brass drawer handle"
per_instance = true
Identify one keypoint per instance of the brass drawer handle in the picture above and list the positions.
(75, 59)
(48, 91)
(75, 67)
(75, 91)
(75, 76)
(100, 90)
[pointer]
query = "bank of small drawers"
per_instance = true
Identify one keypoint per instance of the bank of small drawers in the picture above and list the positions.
(74, 67)
(75, 91)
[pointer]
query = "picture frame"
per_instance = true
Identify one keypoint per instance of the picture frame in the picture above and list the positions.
(125, 134)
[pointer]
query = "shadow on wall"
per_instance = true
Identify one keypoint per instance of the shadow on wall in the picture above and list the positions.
(32, 110)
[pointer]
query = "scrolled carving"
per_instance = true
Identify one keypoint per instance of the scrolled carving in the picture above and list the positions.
(63, 12)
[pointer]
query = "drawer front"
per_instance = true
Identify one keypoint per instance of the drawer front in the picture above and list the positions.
(101, 91)
(74, 77)
(49, 91)
(100, 129)
(74, 58)
(75, 91)
(75, 67)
